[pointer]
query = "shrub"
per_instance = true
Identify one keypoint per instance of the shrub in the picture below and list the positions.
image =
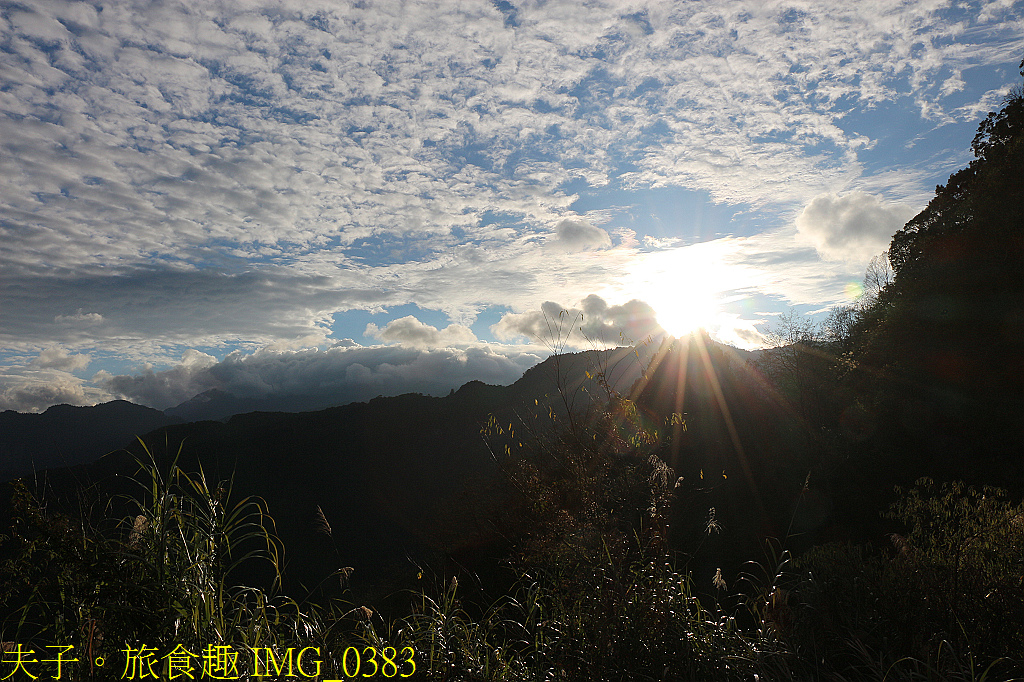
(948, 598)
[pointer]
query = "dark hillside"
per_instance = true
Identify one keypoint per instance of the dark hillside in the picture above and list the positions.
(745, 451)
(65, 435)
(939, 353)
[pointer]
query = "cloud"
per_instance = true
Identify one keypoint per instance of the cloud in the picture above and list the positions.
(36, 390)
(57, 357)
(197, 360)
(265, 131)
(853, 227)
(735, 331)
(409, 331)
(79, 318)
(337, 376)
(246, 174)
(140, 310)
(160, 389)
(593, 323)
(954, 83)
(573, 234)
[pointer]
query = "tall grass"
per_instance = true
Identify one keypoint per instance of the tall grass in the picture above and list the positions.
(169, 572)
(178, 566)
(617, 618)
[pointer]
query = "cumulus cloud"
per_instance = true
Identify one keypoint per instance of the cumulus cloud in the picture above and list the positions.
(574, 234)
(57, 357)
(36, 390)
(593, 323)
(409, 331)
(159, 389)
(853, 227)
(337, 376)
(197, 360)
(164, 388)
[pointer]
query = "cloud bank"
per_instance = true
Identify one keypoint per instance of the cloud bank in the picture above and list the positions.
(336, 376)
(422, 359)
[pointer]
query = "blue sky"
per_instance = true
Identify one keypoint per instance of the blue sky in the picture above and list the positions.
(362, 198)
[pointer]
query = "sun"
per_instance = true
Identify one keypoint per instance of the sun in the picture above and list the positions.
(682, 285)
(684, 309)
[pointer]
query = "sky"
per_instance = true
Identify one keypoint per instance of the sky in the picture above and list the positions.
(370, 197)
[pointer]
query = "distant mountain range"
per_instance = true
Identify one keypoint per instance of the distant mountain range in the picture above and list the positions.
(217, 404)
(65, 435)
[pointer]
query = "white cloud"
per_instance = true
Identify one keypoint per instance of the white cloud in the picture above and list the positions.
(853, 227)
(990, 101)
(197, 360)
(954, 83)
(79, 318)
(242, 174)
(593, 323)
(336, 376)
(738, 332)
(176, 132)
(33, 390)
(574, 234)
(57, 357)
(409, 331)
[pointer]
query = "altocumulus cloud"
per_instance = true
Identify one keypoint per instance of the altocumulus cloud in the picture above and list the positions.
(227, 175)
(336, 376)
(853, 227)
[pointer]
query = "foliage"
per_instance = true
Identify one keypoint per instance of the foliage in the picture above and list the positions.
(988, 192)
(165, 575)
(584, 465)
(969, 545)
(621, 618)
(948, 327)
(949, 599)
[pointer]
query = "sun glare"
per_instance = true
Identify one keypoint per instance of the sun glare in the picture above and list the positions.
(682, 285)
(680, 315)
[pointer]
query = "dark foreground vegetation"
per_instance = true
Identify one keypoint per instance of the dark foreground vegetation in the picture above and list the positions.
(846, 506)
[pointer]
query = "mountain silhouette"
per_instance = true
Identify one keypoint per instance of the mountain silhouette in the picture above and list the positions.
(66, 435)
